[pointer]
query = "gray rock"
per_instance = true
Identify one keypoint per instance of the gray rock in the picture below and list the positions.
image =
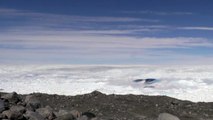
(83, 118)
(13, 115)
(32, 102)
(46, 112)
(61, 112)
(2, 106)
(89, 115)
(33, 115)
(11, 97)
(75, 113)
(2, 116)
(66, 117)
(167, 116)
(18, 108)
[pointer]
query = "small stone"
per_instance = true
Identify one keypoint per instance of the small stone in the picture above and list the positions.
(175, 102)
(167, 116)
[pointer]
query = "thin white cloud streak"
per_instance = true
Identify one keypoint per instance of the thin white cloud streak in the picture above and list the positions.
(61, 57)
(191, 60)
(67, 18)
(71, 22)
(117, 31)
(158, 12)
(124, 30)
(197, 28)
(73, 39)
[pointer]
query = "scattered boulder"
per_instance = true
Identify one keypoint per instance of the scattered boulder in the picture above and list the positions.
(75, 113)
(2, 116)
(167, 116)
(68, 116)
(46, 113)
(13, 115)
(89, 115)
(18, 108)
(32, 102)
(65, 113)
(83, 118)
(2, 105)
(33, 116)
(12, 97)
(61, 113)
(96, 93)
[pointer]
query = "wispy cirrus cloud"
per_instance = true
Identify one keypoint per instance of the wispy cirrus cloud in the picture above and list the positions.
(90, 24)
(92, 39)
(197, 28)
(72, 46)
(161, 13)
(67, 18)
(105, 25)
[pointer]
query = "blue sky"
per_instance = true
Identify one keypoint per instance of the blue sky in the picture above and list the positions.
(106, 31)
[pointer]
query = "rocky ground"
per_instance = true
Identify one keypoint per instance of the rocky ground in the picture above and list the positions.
(98, 106)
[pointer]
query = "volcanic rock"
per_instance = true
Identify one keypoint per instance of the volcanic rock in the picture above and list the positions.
(33, 116)
(68, 116)
(167, 116)
(13, 115)
(11, 97)
(89, 115)
(18, 108)
(32, 102)
(2, 105)
(46, 113)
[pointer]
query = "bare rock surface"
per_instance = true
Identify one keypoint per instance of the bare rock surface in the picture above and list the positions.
(98, 106)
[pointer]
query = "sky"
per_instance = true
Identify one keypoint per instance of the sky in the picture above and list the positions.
(152, 32)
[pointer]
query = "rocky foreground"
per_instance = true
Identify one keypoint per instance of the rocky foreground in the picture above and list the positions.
(98, 106)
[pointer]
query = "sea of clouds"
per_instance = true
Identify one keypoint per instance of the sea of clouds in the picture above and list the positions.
(194, 83)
